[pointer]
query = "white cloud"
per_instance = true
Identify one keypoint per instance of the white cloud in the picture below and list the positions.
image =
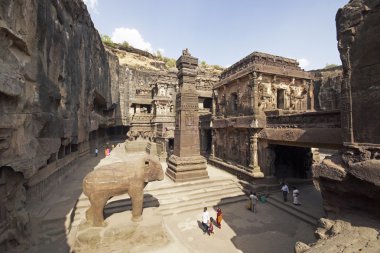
(92, 4)
(303, 62)
(161, 50)
(132, 36)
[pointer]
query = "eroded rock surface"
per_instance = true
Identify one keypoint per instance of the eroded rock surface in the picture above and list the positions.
(327, 88)
(350, 179)
(54, 89)
(338, 236)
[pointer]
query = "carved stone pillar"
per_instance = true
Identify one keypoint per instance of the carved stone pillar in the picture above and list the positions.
(256, 170)
(186, 163)
(253, 102)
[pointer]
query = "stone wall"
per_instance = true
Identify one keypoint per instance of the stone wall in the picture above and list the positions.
(54, 89)
(53, 66)
(327, 88)
(350, 180)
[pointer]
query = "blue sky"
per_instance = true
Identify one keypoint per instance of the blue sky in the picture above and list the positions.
(224, 31)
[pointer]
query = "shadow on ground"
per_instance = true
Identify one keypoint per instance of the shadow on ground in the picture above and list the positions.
(123, 205)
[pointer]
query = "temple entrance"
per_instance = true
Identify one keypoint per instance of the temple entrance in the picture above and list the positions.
(208, 140)
(170, 146)
(292, 162)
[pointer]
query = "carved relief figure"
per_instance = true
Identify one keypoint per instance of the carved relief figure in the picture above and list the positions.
(115, 179)
(189, 119)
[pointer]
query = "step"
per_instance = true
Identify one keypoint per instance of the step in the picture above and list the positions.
(290, 205)
(306, 218)
(175, 202)
(200, 196)
(201, 201)
(200, 206)
(186, 186)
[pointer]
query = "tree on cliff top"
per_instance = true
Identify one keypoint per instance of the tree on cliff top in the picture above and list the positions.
(329, 66)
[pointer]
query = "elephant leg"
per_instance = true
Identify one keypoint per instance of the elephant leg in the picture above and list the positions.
(90, 214)
(98, 203)
(137, 206)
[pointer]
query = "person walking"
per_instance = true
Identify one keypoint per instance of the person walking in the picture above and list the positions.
(96, 152)
(219, 217)
(253, 200)
(205, 220)
(285, 191)
(296, 194)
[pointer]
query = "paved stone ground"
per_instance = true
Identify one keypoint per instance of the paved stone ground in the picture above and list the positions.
(268, 230)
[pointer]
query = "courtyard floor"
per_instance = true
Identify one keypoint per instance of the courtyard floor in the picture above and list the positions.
(271, 229)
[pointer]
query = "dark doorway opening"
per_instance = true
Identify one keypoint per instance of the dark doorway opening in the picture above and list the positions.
(208, 140)
(292, 162)
(170, 147)
(280, 99)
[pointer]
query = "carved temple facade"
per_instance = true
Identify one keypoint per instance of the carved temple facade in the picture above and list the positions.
(152, 106)
(258, 87)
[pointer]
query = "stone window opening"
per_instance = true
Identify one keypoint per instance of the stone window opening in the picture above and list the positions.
(234, 102)
(280, 99)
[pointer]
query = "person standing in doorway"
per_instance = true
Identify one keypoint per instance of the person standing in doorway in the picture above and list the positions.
(96, 152)
(205, 220)
(285, 191)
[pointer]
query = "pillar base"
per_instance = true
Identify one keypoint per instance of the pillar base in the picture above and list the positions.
(256, 172)
(183, 169)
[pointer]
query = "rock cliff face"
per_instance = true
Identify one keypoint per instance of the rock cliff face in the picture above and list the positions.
(327, 86)
(54, 89)
(350, 179)
(53, 66)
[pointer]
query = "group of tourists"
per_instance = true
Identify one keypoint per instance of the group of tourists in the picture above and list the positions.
(207, 221)
(107, 150)
(295, 194)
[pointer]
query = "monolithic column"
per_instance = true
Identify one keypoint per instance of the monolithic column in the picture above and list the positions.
(186, 163)
(256, 171)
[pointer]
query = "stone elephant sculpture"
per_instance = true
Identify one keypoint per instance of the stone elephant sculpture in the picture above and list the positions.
(115, 179)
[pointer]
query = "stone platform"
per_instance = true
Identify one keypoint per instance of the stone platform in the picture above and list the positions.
(123, 235)
(183, 169)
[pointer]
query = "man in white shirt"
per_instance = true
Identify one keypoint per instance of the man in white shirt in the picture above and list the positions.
(205, 219)
(285, 191)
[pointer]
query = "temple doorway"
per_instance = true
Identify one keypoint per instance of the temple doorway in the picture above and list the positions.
(208, 138)
(170, 146)
(292, 162)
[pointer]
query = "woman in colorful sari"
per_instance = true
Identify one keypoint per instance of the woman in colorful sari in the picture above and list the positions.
(219, 217)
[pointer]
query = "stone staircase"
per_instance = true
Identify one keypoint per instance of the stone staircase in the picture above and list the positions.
(173, 199)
